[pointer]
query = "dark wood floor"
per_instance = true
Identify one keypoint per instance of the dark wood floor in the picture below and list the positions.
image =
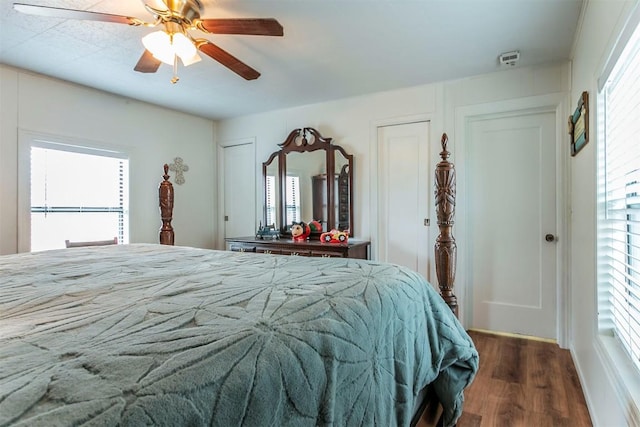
(523, 382)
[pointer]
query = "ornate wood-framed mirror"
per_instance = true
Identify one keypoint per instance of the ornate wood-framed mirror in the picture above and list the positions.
(309, 178)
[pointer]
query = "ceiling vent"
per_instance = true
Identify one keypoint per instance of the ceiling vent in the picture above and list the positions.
(510, 58)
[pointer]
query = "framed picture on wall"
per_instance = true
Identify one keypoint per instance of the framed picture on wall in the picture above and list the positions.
(579, 124)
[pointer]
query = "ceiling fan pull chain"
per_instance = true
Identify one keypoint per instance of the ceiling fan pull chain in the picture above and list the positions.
(175, 77)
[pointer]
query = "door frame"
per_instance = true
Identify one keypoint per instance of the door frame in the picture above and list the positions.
(220, 243)
(374, 171)
(556, 103)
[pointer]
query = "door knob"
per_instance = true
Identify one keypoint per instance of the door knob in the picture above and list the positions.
(549, 237)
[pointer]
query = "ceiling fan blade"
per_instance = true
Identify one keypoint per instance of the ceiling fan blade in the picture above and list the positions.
(226, 59)
(57, 12)
(253, 27)
(147, 63)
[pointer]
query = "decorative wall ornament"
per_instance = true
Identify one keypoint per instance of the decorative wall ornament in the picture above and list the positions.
(179, 168)
(579, 124)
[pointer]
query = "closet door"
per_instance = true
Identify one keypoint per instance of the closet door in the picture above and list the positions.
(511, 221)
(238, 190)
(404, 195)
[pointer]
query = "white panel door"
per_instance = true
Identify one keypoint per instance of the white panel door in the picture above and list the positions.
(403, 195)
(511, 205)
(239, 190)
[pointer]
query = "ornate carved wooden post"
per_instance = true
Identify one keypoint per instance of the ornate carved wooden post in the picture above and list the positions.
(166, 208)
(445, 248)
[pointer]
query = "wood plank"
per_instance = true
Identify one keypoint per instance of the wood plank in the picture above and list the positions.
(523, 382)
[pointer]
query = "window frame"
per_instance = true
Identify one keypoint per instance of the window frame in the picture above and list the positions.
(28, 139)
(616, 269)
(618, 365)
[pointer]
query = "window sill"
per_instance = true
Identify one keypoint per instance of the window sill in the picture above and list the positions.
(625, 378)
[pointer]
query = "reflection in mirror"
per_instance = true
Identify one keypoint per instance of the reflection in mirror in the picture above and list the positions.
(271, 197)
(302, 168)
(343, 190)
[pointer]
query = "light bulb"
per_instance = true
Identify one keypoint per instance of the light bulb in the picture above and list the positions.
(190, 60)
(165, 47)
(182, 46)
(159, 44)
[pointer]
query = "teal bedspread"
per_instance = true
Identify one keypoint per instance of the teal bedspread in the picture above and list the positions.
(136, 335)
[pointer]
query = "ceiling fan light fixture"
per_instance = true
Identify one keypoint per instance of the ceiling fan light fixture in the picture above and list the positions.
(159, 44)
(186, 61)
(166, 47)
(183, 47)
(178, 17)
(156, 4)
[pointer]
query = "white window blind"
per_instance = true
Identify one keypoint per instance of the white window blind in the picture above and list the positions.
(619, 196)
(293, 199)
(271, 200)
(77, 194)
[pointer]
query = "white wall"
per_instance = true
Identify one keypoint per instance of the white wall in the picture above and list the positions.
(609, 404)
(151, 135)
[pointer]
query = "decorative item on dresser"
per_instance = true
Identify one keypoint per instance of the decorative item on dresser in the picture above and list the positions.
(165, 192)
(445, 248)
(313, 248)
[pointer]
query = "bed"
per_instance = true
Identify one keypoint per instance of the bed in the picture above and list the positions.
(161, 335)
(149, 334)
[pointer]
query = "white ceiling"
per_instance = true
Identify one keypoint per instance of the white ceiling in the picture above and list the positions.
(331, 49)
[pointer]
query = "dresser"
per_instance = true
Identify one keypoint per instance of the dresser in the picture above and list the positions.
(354, 248)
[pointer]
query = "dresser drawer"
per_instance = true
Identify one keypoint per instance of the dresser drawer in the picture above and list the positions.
(328, 254)
(311, 248)
(235, 247)
(272, 251)
(296, 252)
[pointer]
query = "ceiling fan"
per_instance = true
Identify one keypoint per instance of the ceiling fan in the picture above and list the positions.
(178, 18)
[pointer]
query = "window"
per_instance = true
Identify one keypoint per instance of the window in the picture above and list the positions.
(271, 200)
(77, 193)
(619, 202)
(293, 210)
(293, 199)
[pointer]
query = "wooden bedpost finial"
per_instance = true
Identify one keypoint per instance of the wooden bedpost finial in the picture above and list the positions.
(444, 153)
(166, 172)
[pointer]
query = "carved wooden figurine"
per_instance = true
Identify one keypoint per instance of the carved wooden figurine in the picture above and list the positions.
(166, 208)
(445, 248)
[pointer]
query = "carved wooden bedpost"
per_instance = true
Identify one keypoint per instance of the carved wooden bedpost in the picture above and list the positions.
(166, 208)
(445, 248)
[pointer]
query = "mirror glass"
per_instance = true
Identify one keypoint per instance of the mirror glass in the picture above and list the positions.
(343, 191)
(302, 199)
(271, 195)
